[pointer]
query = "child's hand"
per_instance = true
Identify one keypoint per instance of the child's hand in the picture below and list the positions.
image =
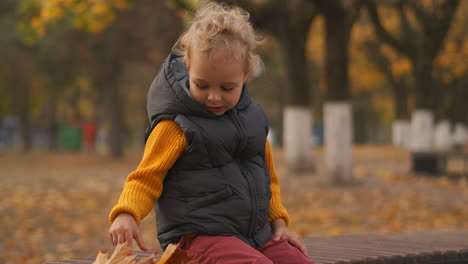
(280, 231)
(124, 229)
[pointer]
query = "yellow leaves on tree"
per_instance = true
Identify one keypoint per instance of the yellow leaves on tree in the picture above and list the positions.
(400, 65)
(454, 56)
(316, 42)
(89, 15)
(123, 255)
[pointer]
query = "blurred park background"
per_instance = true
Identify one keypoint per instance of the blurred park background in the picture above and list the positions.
(365, 98)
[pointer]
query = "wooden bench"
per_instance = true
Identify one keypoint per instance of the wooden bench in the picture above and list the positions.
(411, 248)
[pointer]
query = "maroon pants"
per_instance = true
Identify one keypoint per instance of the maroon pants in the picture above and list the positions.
(230, 250)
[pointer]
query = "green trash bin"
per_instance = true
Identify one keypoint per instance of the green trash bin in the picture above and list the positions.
(69, 137)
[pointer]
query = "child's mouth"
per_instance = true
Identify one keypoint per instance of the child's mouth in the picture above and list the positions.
(214, 109)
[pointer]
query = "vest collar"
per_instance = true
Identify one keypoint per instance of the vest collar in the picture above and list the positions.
(177, 76)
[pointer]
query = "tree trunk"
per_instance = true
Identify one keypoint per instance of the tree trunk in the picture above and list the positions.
(423, 83)
(21, 101)
(23, 107)
(401, 126)
(338, 117)
(458, 112)
(25, 124)
(294, 46)
(400, 99)
(115, 117)
(422, 123)
(297, 117)
(51, 112)
(337, 56)
(109, 68)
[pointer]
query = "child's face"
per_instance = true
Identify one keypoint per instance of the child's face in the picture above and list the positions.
(216, 80)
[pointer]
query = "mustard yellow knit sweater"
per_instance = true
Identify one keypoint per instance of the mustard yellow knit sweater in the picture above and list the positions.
(164, 146)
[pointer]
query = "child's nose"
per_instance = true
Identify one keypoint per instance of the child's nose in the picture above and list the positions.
(214, 97)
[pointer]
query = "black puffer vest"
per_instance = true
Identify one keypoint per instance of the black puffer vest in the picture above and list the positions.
(220, 184)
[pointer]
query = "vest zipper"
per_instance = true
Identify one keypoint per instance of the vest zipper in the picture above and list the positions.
(234, 115)
(254, 207)
(253, 195)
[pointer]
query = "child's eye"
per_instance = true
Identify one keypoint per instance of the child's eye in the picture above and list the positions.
(227, 89)
(201, 86)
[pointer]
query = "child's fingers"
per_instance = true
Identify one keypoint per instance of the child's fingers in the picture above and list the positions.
(128, 238)
(303, 249)
(140, 242)
(115, 239)
(277, 236)
(295, 242)
(122, 239)
(111, 237)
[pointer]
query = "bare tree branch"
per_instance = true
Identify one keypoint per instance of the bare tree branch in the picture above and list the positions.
(353, 14)
(383, 34)
(442, 24)
(407, 34)
(422, 16)
(380, 60)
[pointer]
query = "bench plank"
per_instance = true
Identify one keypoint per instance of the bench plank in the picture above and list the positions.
(424, 248)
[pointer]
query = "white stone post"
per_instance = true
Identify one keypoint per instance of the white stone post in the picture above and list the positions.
(297, 133)
(442, 136)
(338, 141)
(401, 133)
(422, 125)
(460, 135)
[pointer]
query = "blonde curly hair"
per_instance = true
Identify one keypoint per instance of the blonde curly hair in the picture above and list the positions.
(220, 25)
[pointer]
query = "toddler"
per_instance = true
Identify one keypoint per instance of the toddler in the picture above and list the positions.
(207, 167)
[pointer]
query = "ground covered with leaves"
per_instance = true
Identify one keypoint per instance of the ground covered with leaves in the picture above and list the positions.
(55, 206)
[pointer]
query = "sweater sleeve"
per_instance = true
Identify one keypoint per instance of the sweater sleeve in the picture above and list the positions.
(277, 209)
(144, 185)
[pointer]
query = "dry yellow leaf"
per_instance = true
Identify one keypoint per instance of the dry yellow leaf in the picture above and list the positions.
(122, 255)
(148, 260)
(102, 257)
(174, 255)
